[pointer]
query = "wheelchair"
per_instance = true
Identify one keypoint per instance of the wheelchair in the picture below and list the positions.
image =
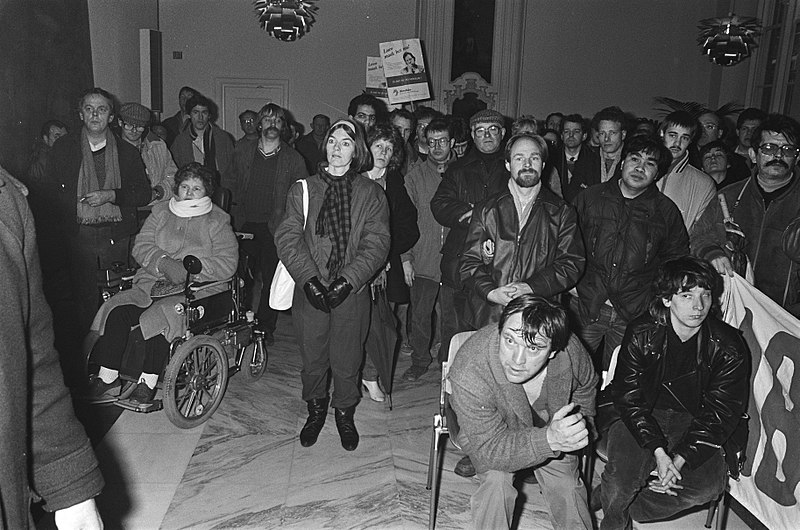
(220, 341)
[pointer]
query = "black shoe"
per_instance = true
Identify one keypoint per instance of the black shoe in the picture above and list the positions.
(414, 372)
(143, 394)
(347, 428)
(464, 468)
(100, 392)
(317, 411)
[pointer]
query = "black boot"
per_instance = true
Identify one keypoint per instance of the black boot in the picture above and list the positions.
(317, 410)
(347, 427)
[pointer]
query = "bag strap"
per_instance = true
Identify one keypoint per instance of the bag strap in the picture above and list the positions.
(305, 201)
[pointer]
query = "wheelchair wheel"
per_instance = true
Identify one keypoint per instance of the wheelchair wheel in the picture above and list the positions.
(254, 360)
(195, 381)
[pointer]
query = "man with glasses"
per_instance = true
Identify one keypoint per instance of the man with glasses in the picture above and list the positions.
(763, 206)
(134, 120)
(478, 175)
(421, 264)
(571, 161)
(248, 121)
(366, 110)
(260, 179)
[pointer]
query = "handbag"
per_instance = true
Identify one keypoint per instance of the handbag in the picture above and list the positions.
(281, 291)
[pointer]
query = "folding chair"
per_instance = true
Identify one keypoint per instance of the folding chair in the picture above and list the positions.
(444, 422)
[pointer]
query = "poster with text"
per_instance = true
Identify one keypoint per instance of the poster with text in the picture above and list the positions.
(376, 81)
(404, 68)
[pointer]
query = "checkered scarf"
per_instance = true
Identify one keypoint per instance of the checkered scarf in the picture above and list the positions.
(334, 217)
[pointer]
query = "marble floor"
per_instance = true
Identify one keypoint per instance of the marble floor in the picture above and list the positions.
(245, 467)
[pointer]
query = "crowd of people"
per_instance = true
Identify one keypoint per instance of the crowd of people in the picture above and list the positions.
(559, 243)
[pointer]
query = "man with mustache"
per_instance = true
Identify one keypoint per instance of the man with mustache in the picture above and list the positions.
(689, 188)
(260, 179)
(523, 240)
(763, 206)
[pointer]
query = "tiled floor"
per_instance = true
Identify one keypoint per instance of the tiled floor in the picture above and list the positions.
(245, 468)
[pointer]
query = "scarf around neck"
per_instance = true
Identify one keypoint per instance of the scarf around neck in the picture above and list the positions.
(190, 207)
(88, 182)
(334, 219)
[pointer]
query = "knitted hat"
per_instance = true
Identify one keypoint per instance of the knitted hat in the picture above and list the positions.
(487, 116)
(135, 114)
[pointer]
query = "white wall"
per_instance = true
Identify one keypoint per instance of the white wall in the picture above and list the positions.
(325, 68)
(581, 56)
(114, 26)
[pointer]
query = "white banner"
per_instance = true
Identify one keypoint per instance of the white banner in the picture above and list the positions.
(768, 487)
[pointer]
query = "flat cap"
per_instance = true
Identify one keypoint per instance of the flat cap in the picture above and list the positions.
(487, 116)
(135, 114)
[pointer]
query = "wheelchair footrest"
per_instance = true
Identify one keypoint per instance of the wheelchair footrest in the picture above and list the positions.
(140, 407)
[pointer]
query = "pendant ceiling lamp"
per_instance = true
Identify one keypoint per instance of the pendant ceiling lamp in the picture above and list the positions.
(728, 40)
(286, 20)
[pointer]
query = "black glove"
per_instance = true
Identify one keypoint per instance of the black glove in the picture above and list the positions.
(317, 294)
(337, 292)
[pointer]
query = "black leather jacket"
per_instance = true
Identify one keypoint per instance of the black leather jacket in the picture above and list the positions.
(625, 240)
(715, 393)
(547, 253)
(466, 182)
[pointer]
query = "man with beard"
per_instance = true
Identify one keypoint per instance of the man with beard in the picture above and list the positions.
(523, 240)
(689, 188)
(763, 206)
(629, 228)
(202, 141)
(262, 173)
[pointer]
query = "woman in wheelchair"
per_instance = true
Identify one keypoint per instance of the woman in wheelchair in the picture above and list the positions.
(188, 224)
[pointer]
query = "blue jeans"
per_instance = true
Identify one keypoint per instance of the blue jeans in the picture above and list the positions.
(624, 490)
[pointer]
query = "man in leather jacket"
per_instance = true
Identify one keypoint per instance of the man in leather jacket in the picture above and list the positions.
(680, 387)
(628, 227)
(523, 240)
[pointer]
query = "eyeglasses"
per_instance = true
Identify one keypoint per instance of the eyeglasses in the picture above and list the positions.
(440, 142)
(129, 127)
(365, 117)
(789, 151)
(481, 131)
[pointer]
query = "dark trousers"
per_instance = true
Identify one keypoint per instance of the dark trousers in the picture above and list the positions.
(624, 492)
(608, 325)
(92, 248)
(454, 316)
(331, 342)
(262, 249)
(424, 293)
(110, 347)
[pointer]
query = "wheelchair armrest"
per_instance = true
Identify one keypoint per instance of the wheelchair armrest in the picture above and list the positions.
(199, 286)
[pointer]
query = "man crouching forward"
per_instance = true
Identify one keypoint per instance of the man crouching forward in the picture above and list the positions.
(522, 392)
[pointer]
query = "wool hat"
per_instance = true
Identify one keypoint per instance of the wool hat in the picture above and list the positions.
(487, 116)
(135, 114)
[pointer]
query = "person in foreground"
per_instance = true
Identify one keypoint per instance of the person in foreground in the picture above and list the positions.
(44, 452)
(680, 387)
(332, 255)
(522, 391)
(188, 224)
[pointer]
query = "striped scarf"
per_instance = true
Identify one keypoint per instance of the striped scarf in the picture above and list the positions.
(333, 220)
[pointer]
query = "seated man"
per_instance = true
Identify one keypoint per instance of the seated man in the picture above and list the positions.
(680, 388)
(521, 391)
